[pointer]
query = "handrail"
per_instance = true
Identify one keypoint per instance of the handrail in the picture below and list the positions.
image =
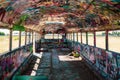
(9, 61)
(8, 53)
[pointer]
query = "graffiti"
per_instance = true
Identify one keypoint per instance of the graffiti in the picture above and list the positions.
(92, 55)
(9, 63)
(111, 64)
(105, 61)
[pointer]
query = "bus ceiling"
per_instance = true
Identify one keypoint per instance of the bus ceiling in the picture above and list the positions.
(53, 16)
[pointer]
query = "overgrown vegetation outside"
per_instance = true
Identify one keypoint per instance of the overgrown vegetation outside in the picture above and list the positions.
(2, 33)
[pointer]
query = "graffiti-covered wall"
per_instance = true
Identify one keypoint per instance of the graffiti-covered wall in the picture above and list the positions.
(11, 61)
(107, 63)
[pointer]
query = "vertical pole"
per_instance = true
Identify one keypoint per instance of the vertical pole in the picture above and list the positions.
(29, 37)
(34, 42)
(32, 36)
(53, 35)
(58, 35)
(66, 36)
(94, 38)
(73, 37)
(25, 37)
(70, 36)
(77, 36)
(36, 36)
(19, 38)
(106, 40)
(81, 37)
(86, 37)
(10, 39)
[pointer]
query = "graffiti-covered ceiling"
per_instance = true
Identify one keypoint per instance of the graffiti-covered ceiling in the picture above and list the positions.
(55, 15)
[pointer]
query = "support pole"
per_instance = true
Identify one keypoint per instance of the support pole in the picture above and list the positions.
(10, 39)
(25, 37)
(77, 36)
(86, 37)
(69, 36)
(106, 40)
(29, 37)
(32, 36)
(81, 37)
(73, 36)
(34, 42)
(66, 36)
(19, 38)
(58, 35)
(94, 38)
(53, 35)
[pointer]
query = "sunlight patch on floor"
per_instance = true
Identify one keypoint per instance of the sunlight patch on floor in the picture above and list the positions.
(33, 73)
(69, 58)
(39, 55)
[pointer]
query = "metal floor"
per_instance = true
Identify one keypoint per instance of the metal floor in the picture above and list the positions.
(57, 65)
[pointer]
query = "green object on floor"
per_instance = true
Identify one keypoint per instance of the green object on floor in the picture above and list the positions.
(31, 48)
(30, 78)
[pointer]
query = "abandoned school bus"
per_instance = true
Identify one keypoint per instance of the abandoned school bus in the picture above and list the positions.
(63, 40)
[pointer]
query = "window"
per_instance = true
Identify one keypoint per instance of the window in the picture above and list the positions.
(114, 41)
(75, 37)
(60, 36)
(91, 39)
(15, 39)
(29, 37)
(100, 39)
(4, 40)
(56, 36)
(84, 38)
(50, 36)
(22, 38)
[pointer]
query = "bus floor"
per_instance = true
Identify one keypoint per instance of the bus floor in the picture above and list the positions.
(57, 65)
